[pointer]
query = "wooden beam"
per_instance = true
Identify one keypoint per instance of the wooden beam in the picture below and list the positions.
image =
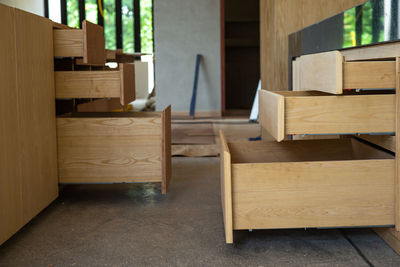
(166, 149)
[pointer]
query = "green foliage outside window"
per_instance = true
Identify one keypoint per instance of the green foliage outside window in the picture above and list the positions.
(146, 24)
(73, 13)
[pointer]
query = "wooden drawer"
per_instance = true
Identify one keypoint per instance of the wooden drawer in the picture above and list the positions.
(87, 43)
(305, 184)
(330, 72)
(97, 84)
(284, 113)
(115, 147)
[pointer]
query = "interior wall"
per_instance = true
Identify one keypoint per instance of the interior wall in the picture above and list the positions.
(182, 29)
(279, 18)
(33, 6)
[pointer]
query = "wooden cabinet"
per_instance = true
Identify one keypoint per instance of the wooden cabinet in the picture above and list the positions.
(303, 184)
(28, 170)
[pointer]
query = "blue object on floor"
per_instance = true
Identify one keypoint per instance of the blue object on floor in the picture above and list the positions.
(258, 138)
(194, 94)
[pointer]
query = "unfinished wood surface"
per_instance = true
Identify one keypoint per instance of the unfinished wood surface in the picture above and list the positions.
(271, 113)
(226, 188)
(88, 84)
(127, 76)
(390, 236)
(37, 123)
(193, 133)
(397, 170)
(319, 113)
(93, 43)
(166, 148)
(196, 150)
(386, 141)
(313, 183)
(68, 42)
(110, 149)
(369, 74)
(387, 50)
(322, 72)
(10, 164)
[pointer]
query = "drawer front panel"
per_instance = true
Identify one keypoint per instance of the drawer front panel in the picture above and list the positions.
(313, 194)
(93, 150)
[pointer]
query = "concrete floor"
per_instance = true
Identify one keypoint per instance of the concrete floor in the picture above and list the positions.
(134, 225)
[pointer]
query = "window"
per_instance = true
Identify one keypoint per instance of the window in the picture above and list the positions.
(128, 24)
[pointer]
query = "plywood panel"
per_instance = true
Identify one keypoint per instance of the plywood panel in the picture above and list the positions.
(35, 72)
(272, 113)
(95, 150)
(369, 74)
(322, 72)
(340, 114)
(313, 194)
(10, 175)
(88, 84)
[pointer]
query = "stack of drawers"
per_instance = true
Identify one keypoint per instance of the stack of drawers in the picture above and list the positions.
(105, 147)
(341, 182)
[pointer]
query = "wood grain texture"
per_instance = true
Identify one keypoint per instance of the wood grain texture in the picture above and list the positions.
(369, 74)
(88, 84)
(313, 194)
(312, 183)
(319, 113)
(93, 44)
(110, 149)
(278, 18)
(271, 113)
(322, 72)
(37, 123)
(166, 149)
(10, 164)
(226, 188)
(381, 51)
(127, 74)
(397, 169)
(68, 43)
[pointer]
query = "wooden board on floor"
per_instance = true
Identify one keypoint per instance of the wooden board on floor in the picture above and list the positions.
(192, 133)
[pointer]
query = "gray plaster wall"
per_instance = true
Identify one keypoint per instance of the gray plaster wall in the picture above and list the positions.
(184, 28)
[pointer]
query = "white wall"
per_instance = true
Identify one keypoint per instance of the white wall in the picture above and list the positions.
(184, 28)
(32, 6)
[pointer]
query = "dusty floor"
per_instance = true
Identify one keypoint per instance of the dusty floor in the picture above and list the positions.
(133, 225)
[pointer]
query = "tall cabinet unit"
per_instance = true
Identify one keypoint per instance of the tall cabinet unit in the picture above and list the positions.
(28, 162)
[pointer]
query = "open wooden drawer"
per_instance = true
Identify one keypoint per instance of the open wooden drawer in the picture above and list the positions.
(330, 72)
(97, 84)
(312, 112)
(87, 43)
(305, 184)
(120, 147)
